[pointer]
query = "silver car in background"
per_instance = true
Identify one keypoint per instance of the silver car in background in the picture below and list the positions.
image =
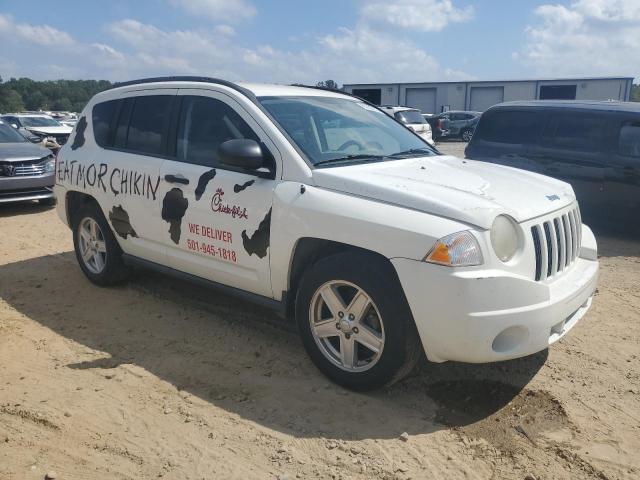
(26, 169)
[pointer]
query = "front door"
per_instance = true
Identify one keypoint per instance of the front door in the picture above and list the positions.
(216, 222)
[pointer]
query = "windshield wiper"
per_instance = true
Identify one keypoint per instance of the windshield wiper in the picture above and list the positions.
(411, 152)
(359, 156)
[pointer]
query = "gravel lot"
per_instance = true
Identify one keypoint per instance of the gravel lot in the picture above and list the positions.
(158, 379)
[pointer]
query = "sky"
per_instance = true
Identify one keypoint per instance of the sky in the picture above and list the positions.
(349, 41)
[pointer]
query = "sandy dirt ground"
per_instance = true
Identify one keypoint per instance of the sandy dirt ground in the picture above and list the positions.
(157, 379)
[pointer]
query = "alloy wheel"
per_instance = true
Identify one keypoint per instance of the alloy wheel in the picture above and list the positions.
(93, 248)
(346, 325)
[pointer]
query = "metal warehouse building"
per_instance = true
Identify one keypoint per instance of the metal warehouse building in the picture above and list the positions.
(436, 97)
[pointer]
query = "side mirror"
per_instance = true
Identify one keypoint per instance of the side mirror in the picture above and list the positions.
(241, 153)
(14, 126)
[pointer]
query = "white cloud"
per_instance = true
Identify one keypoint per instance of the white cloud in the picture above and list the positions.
(37, 34)
(45, 52)
(229, 11)
(587, 37)
(351, 55)
(133, 49)
(424, 15)
(225, 30)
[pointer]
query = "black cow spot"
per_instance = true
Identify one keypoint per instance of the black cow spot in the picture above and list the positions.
(238, 188)
(204, 179)
(119, 218)
(174, 206)
(258, 243)
(78, 140)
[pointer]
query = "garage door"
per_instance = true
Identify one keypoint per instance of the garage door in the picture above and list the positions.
(422, 98)
(485, 97)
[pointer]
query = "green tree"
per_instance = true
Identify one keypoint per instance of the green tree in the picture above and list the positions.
(35, 101)
(63, 104)
(10, 100)
(635, 93)
(331, 84)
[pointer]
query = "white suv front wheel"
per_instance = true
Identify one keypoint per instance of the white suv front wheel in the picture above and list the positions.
(355, 322)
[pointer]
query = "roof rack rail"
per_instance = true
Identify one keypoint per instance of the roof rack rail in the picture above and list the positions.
(183, 78)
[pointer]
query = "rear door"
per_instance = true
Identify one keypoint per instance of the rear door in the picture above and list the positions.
(572, 148)
(622, 175)
(215, 221)
(126, 174)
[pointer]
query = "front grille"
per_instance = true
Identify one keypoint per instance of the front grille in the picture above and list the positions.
(29, 168)
(557, 243)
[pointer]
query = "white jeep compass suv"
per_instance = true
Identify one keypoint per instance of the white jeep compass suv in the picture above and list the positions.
(319, 205)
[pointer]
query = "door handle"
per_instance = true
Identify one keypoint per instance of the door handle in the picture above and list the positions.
(176, 179)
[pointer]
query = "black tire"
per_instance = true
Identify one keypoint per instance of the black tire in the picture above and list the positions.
(114, 271)
(47, 202)
(377, 278)
(466, 134)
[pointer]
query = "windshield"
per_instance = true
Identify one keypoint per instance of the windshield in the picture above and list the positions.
(410, 116)
(8, 134)
(39, 122)
(329, 129)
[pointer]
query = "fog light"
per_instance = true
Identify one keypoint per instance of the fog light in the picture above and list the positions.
(509, 339)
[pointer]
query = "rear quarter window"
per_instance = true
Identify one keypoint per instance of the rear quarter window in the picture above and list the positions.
(509, 126)
(102, 118)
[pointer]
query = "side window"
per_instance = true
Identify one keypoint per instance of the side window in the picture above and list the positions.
(102, 119)
(508, 126)
(204, 124)
(148, 124)
(629, 141)
(122, 124)
(576, 131)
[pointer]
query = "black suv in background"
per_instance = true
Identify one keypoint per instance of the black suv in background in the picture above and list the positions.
(594, 146)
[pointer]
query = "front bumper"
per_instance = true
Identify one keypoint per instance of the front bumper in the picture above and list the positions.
(482, 316)
(17, 189)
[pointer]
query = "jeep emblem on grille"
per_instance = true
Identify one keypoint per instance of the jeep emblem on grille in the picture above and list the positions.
(553, 197)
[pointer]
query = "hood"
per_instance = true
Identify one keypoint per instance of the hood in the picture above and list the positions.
(58, 130)
(465, 190)
(16, 152)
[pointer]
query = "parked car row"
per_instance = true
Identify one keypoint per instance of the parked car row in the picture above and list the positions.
(39, 127)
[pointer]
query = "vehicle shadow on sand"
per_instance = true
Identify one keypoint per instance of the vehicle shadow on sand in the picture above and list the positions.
(243, 358)
(22, 208)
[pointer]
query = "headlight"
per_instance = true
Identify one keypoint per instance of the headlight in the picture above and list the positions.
(50, 164)
(456, 250)
(504, 237)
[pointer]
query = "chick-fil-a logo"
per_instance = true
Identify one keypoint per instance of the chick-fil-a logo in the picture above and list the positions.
(217, 206)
